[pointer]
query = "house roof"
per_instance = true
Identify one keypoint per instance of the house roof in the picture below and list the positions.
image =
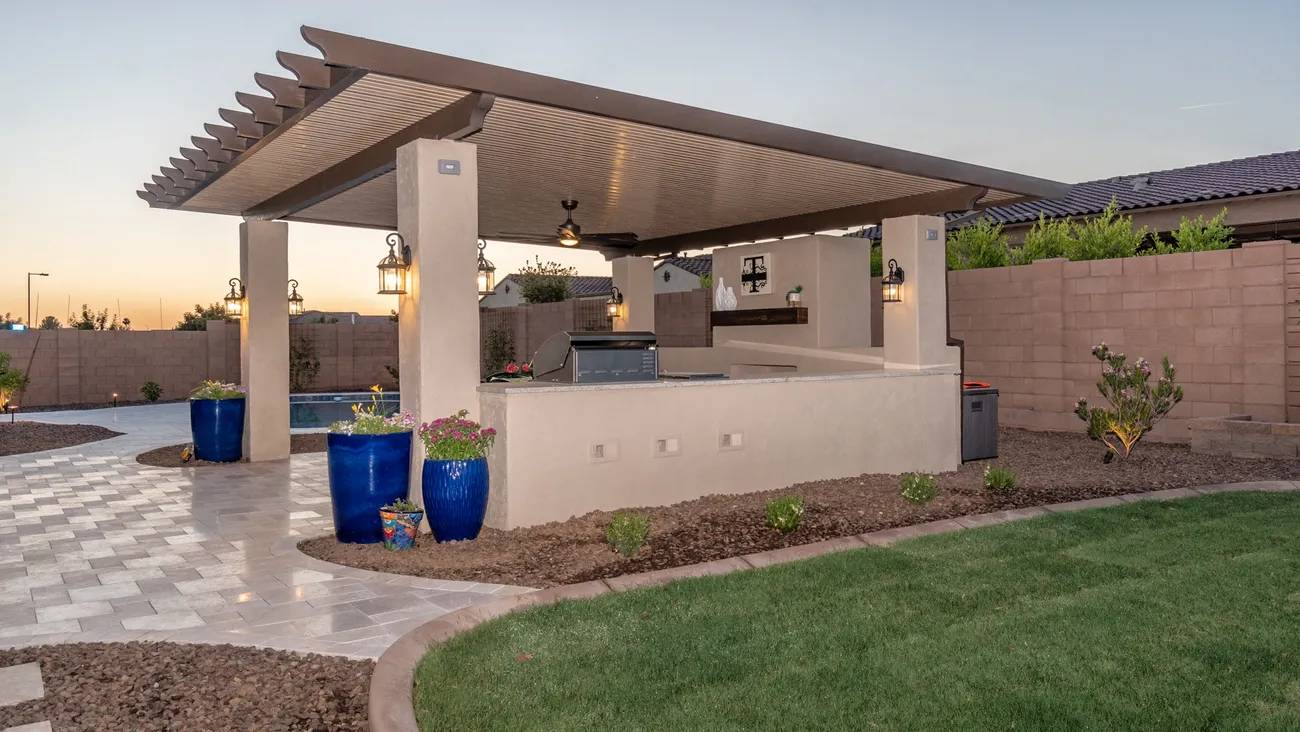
(579, 285)
(1273, 173)
(699, 265)
(322, 147)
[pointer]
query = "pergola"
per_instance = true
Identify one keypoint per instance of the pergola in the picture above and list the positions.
(448, 150)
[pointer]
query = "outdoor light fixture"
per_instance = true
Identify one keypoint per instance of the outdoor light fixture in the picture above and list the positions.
(891, 285)
(614, 305)
(394, 268)
(487, 273)
(568, 233)
(235, 298)
(295, 300)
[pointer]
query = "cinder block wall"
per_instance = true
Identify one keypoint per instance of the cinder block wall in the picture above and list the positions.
(1219, 317)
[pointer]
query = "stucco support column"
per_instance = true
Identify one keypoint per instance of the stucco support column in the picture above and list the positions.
(264, 338)
(438, 327)
(916, 329)
(635, 278)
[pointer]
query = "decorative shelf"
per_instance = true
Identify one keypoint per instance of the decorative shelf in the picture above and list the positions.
(760, 316)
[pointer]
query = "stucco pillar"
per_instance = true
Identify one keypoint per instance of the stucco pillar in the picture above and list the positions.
(635, 278)
(438, 319)
(264, 338)
(916, 329)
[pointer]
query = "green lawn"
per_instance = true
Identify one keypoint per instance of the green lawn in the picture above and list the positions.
(1181, 616)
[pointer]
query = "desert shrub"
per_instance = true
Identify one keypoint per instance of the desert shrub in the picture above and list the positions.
(12, 381)
(303, 363)
(627, 532)
(706, 281)
(1107, 235)
(541, 282)
(49, 322)
(1134, 406)
(498, 350)
(1046, 239)
(784, 513)
(982, 244)
(999, 479)
(919, 488)
(151, 391)
(88, 319)
(1196, 235)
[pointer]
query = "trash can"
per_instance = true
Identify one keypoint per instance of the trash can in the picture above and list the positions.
(979, 421)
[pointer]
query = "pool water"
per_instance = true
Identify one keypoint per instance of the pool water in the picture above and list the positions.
(321, 410)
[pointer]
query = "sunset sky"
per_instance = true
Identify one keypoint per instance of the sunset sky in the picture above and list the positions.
(97, 95)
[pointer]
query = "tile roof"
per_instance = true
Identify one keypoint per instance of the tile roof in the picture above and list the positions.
(698, 265)
(582, 285)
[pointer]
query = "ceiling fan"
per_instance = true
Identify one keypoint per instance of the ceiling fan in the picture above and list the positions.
(569, 234)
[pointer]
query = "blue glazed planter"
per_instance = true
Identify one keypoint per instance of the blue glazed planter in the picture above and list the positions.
(217, 426)
(455, 497)
(366, 472)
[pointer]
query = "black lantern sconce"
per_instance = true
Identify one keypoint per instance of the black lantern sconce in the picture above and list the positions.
(235, 299)
(295, 300)
(487, 272)
(614, 305)
(395, 268)
(891, 285)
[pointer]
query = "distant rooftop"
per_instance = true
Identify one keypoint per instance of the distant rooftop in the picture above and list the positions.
(582, 285)
(699, 265)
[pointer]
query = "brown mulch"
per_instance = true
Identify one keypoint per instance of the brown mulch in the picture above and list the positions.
(17, 438)
(172, 686)
(170, 456)
(1051, 468)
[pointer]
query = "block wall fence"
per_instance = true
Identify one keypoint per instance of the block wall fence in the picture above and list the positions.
(1229, 321)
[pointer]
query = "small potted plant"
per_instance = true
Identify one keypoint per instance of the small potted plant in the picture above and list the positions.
(795, 296)
(217, 421)
(514, 371)
(454, 481)
(369, 459)
(401, 522)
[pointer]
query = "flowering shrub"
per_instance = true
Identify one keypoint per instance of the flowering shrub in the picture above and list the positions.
(217, 390)
(919, 488)
(999, 480)
(627, 533)
(1134, 405)
(785, 513)
(519, 369)
(456, 438)
(368, 420)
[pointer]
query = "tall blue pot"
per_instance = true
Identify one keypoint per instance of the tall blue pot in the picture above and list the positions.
(217, 426)
(366, 473)
(455, 497)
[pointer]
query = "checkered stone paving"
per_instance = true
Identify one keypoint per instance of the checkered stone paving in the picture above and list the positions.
(97, 547)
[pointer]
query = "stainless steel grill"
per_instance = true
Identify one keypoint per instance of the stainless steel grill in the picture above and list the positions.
(593, 358)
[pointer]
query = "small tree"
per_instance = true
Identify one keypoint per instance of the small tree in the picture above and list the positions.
(12, 381)
(498, 350)
(303, 364)
(980, 245)
(1046, 239)
(89, 319)
(198, 320)
(1134, 406)
(1105, 236)
(49, 322)
(541, 282)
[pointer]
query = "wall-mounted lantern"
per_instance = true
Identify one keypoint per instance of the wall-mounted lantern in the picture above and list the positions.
(891, 285)
(235, 299)
(394, 268)
(295, 300)
(614, 305)
(487, 273)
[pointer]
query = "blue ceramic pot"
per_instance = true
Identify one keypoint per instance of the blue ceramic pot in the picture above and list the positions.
(366, 473)
(455, 497)
(217, 426)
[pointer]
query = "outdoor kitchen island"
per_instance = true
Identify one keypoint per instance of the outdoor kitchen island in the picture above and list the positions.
(567, 449)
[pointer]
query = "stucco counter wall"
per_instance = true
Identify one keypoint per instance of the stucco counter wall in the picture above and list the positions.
(564, 449)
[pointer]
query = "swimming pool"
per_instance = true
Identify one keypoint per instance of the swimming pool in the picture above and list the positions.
(320, 410)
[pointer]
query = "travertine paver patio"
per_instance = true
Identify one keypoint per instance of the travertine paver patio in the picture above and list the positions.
(97, 547)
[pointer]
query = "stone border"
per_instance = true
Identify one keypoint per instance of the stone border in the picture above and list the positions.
(391, 706)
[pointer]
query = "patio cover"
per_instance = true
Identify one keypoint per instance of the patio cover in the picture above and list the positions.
(322, 148)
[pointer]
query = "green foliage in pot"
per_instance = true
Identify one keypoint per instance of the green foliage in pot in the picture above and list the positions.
(784, 513)
(627, 533)
(211, 389)
(152, 391)
(402, 505)
(370, 419)
(919, 488)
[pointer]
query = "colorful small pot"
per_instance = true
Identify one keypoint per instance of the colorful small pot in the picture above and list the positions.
(400, 528)
(217, 426)
(455, 495)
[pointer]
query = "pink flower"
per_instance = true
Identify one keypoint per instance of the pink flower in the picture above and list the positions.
(512, 368)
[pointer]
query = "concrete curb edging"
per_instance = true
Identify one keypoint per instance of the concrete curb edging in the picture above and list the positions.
(391, 705)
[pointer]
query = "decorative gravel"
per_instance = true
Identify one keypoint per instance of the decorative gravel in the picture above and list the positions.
(1052, 467)
(170, 456)
(171, 686)
(17, 438)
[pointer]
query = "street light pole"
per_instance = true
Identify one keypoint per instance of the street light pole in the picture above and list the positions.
(30, 275)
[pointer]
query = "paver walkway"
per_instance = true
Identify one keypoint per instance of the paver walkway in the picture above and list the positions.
(97, 547)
